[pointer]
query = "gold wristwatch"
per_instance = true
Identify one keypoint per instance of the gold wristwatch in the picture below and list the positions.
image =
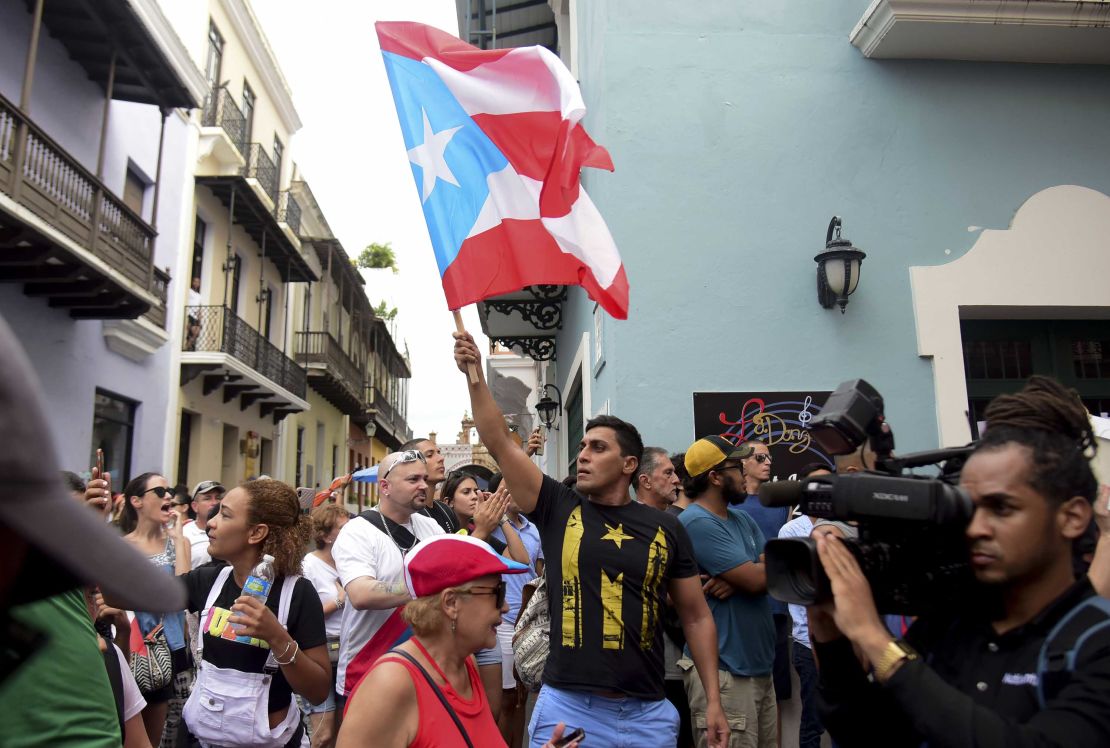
(895, 652)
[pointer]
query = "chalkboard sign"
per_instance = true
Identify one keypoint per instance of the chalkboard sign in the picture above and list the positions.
(778, 419)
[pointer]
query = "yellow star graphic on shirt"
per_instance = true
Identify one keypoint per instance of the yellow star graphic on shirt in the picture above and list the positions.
(616, 534)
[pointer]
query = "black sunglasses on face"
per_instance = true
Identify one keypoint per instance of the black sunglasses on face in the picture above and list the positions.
(498, 590)
(761, 458)
(159, 491)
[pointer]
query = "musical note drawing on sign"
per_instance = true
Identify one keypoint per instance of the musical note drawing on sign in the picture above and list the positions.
(804, 416)
(781, 420)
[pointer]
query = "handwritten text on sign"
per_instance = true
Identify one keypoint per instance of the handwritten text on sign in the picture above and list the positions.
(778, 419)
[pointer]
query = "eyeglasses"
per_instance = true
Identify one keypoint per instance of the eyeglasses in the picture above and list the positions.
(723, 468)
(159, 491)
(409, 455)
(761, 458)
(498, 590)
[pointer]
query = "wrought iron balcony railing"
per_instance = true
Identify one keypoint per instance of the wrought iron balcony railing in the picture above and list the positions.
(261, 167)
(219, 330)
(220, 110)
(322, 348)
(289, 212)
(387, 413)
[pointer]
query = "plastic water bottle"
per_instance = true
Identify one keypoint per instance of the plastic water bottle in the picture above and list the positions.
(261, 579)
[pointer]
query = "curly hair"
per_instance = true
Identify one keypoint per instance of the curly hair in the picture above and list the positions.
(1051, 421)
(424, 614)
(129, 516)
(324, 519)
(274, 504)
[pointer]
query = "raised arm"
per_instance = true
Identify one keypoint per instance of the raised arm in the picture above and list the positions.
(521, 475)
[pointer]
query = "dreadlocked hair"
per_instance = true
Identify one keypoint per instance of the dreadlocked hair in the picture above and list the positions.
(275, 504)
(1052, 422)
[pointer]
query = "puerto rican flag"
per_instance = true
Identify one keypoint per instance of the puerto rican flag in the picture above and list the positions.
(496, 148)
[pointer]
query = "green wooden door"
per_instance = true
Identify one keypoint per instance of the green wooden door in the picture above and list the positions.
(999, 355)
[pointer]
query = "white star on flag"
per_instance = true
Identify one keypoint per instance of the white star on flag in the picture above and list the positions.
(429, 157)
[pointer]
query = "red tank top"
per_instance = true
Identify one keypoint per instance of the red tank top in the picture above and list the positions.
(436, 728)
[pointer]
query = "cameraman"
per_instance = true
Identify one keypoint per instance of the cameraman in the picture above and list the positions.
(969, 677)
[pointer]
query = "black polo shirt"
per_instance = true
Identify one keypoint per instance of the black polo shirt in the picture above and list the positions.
(971, 687)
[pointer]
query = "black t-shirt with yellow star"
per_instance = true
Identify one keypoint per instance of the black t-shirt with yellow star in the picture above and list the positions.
(607, 571)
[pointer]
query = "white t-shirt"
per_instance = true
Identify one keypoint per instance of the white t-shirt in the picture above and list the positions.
(198, 542)
(133, 701)
(323, 577)
(362, 550)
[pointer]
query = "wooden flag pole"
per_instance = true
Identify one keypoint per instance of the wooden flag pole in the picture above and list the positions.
(471, 369)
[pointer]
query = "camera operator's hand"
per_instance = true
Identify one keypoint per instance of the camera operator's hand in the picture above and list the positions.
(854, 612)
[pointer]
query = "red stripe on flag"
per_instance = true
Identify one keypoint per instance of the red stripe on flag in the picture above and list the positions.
(391, 633)
(545, 147)
(417, 41)
(488, 265)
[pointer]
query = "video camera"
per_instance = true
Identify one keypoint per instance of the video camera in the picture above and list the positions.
(911, 545)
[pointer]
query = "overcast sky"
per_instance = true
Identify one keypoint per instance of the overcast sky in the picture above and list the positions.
(352, 155)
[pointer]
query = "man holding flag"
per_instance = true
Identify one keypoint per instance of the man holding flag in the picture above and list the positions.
(496, 148)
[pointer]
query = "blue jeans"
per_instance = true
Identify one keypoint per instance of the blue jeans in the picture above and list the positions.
(613, 723)
(810, 729)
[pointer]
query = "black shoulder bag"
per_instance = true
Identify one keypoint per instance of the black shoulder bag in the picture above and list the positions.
(401, 537)
(438, 693)
(115, 678)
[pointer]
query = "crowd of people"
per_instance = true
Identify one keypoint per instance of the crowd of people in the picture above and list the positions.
(163, 616)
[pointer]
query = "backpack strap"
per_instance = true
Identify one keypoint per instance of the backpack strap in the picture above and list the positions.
(287, 586)
(401, 537)
(1059, 655)
(217, 587)
(115, 678)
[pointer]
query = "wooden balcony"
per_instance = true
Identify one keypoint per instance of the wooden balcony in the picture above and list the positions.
(331, 372)
(62, 231)
(388, 416)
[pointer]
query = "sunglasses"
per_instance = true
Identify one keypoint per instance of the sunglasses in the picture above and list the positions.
(761, 458)
(498, 590)
(159, 491)
(409, 455)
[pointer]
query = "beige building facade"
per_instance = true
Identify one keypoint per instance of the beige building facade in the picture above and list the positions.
(279, 357)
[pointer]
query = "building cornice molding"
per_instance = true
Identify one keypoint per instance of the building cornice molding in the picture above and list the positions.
(160, 29)
(134, 339)
(262, 57)
(883, 15)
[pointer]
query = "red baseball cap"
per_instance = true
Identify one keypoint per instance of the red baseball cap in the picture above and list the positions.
(452, 560)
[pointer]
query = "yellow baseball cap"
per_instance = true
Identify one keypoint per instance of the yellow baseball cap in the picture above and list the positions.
(710, 451)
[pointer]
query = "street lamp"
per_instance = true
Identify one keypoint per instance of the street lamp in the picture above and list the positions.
(838, 268)
(549, 409)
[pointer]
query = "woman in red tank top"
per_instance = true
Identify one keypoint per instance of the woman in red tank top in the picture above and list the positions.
(459, 598)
